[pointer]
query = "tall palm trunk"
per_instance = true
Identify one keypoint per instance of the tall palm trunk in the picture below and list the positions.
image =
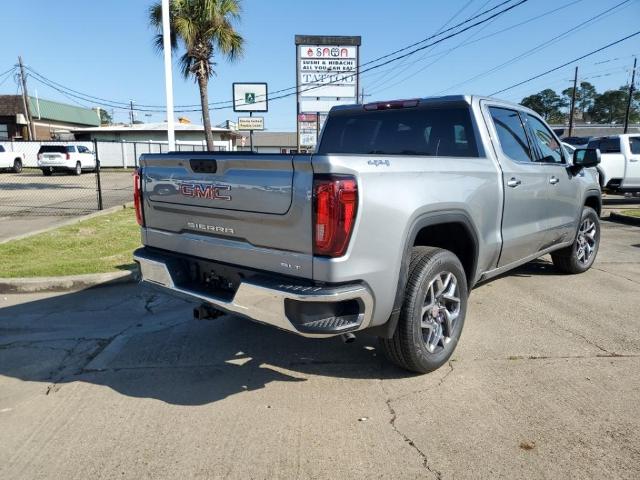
(203, 82)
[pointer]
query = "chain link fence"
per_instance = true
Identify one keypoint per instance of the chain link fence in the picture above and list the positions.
(102, 186)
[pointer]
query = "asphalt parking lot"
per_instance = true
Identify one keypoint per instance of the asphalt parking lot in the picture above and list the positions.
(121, 382)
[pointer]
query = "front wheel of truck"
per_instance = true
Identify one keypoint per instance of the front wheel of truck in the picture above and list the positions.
(432, 314)
(580, 256)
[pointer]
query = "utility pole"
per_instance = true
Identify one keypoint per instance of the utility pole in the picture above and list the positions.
(131, 117)
(25, 100)
(573, 101)
(631, 88)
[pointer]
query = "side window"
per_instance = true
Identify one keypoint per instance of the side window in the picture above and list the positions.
(82, 149)
(1, 148)
(71, 149)
(549, 148)
(610, 145)
(511, 134)
(634, 144)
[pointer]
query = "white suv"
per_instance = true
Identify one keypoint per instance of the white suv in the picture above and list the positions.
(68, 158)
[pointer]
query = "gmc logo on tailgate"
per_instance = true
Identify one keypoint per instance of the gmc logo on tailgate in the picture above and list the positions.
(202, 190)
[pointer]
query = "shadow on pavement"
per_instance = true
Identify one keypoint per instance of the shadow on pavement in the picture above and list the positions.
(143, 344)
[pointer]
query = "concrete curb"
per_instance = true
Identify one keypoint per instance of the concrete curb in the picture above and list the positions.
(621, 218)
(66, 283)
(71, 221)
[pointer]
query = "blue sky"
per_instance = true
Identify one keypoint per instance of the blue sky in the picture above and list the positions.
(104, 48)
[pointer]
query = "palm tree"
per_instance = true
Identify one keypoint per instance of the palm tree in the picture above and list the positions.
(202, 28)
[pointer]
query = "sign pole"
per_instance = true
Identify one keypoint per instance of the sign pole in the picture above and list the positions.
(251, 134)
(168, 75)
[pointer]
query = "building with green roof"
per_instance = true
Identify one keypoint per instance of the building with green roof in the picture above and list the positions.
(52, 120)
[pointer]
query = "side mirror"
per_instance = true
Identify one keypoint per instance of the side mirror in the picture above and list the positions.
(586, 157)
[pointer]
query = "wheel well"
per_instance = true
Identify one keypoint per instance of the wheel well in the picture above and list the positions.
(594, 203)
(454, 237)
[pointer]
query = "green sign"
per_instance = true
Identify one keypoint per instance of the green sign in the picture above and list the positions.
(249, 97)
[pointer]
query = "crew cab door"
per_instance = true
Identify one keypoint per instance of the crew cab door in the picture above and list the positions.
(632, 175)
(563, 206)
(524, 217)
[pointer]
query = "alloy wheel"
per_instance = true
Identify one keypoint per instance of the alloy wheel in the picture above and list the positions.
(586, 241)
(440, 311)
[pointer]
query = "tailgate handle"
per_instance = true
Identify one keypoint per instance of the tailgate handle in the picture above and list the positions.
(203, 166)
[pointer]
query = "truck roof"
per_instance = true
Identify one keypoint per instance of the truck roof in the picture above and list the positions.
(435, 100)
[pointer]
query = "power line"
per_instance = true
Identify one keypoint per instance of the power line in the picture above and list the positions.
(540, 46)
(440, 55)
(228, 103)
(593, 52)
(112, 104)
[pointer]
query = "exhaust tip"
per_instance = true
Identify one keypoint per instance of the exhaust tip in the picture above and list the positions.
(348, 337)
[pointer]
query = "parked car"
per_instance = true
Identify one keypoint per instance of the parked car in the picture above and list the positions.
(619, 170)
(65, 158)
(404, 208)
(10, 160)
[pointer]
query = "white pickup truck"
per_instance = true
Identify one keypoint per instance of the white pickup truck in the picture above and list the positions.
(10, 160)
(619, 168)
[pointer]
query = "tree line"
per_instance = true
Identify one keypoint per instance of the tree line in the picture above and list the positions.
(609, 106)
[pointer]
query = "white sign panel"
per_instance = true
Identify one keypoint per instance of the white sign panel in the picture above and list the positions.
(250, 123)
(308, 139)
(327, 76)
(328, 65)
(250, 97)
(313, 105)
(327, 51)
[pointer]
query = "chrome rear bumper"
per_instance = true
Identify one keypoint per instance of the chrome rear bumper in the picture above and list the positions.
(265, 303)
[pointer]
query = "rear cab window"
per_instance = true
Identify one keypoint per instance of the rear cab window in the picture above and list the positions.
(424, 130)
(606, 144)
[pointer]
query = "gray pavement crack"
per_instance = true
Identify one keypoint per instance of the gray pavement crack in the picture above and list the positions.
(392, 421)
(409, 441)
(616, 275)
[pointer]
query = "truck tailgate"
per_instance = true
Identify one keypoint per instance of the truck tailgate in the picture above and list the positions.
(243, 209)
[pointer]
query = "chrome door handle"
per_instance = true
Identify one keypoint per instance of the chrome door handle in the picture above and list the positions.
(633, 159)
(554, 180)
(513, 182)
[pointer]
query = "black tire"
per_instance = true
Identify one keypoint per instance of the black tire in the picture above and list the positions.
(408, 346)
(47, 172)
(569, 260)
(78, 169)
(17, 166)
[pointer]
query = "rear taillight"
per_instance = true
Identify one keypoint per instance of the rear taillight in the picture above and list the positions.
(335, 204)
(137, 196)
(67, 156)
(39, 156)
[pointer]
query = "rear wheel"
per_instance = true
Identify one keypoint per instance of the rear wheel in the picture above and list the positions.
(78, 170)
(17, 165)
(580, 256)
(432, 314)
(47, 172)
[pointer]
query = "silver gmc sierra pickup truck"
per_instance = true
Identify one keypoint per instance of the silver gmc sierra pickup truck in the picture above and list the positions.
(405, 206)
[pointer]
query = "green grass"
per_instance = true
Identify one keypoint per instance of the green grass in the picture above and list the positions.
(100, 244)
(632, 212)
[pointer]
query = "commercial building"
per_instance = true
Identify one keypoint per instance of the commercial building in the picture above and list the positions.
(224, 139)
(269, 142)
(51, 120)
